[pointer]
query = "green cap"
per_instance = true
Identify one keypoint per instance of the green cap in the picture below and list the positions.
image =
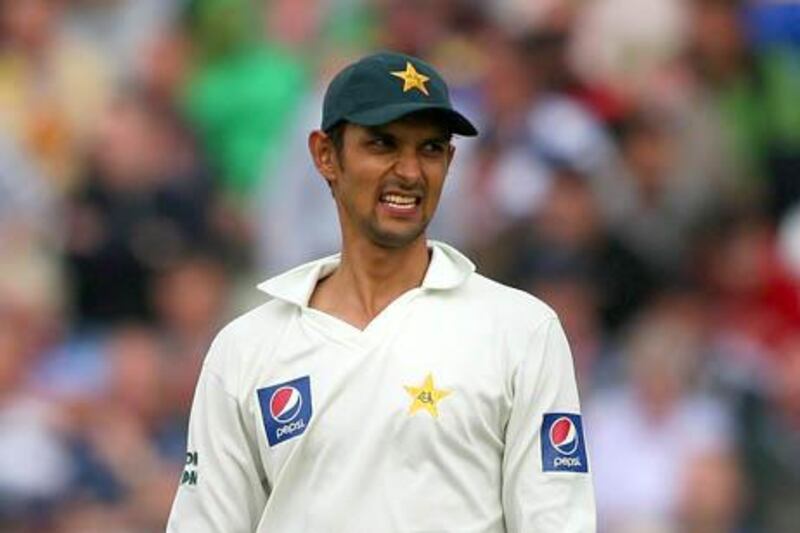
(383, 87)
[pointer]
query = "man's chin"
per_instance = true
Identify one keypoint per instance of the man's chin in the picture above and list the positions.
(394, 240)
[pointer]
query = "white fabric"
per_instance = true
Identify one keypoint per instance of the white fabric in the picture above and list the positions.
(364, 462)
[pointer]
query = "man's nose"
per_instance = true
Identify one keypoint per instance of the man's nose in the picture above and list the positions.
(408, 166)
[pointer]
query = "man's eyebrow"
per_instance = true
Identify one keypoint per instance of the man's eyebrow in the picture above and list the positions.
(443, 138)
(381, 131)
(378, 131)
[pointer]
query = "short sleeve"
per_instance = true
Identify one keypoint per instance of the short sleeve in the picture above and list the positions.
(547, 484)
(221, 488)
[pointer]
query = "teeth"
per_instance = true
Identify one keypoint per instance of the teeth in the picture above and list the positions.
(397, 200)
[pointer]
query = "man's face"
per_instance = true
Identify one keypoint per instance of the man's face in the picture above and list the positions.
(387, 179)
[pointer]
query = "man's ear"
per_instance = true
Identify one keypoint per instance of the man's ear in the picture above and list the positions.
(324, 154)
(451, 152)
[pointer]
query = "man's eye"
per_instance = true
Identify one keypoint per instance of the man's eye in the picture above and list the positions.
(380, 142)
(434, 147)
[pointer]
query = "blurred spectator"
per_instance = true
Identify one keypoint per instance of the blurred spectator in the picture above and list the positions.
(755, 301)
(52, 87)
(121, 29)
(568, 230)
(35, 466)
(664, 190)
(458, 54)
(28, 206)
(770, 434)
(239, 76)
(32, 295)
(163, 67)
(127, 452)
(754, 94)
(521, 15)
(92, 517)
(412, 27)
(629, 48)
(190, 300)
(286, 231)
(713, 498)
(650, 429)
(504, 176)
(147, 201)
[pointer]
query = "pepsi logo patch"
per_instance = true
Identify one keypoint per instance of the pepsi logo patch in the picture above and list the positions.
(285, 403)
(563, 447)
(286, 409)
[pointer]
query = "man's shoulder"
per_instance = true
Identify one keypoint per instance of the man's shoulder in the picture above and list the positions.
(261, 321)
(248, 333)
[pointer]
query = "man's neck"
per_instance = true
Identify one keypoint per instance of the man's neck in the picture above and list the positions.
(369, 278)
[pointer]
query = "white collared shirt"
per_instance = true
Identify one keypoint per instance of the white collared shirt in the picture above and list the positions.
(428, 420)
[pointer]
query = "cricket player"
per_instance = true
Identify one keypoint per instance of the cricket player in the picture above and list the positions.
(388, 388)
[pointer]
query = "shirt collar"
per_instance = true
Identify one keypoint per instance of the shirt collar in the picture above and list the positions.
(448, 269)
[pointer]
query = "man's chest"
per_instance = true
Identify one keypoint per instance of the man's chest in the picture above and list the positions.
(416, 393)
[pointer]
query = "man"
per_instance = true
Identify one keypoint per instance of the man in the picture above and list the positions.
(390, 387)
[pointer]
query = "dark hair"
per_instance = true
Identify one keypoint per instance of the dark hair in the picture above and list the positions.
(336, 134)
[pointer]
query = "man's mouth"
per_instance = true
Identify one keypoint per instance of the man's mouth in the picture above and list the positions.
(400, 201)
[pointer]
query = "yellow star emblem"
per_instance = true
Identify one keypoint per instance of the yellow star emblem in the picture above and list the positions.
(412, 79)
(426, 397)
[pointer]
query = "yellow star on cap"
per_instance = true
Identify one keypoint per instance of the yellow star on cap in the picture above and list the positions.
(426, 397)
(412, 79)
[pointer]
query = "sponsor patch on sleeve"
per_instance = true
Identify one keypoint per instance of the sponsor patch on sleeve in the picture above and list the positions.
(286, 409)
(189, 474)
(563, 446)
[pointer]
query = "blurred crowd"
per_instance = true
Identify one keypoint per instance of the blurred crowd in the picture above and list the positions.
(638, 169)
